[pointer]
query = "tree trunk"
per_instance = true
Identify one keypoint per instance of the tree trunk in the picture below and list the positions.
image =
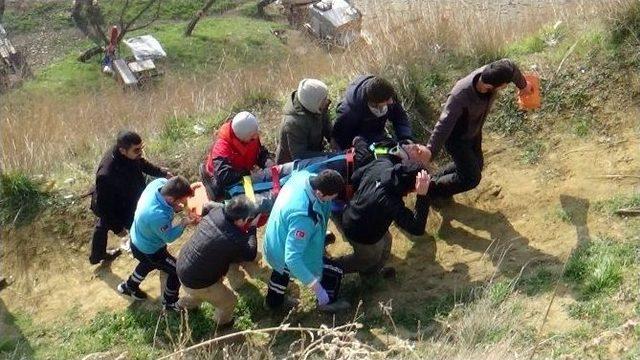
(1, 9)
(199, 15)
(85, 56)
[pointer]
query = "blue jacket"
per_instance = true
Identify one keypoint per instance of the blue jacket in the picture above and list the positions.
(152, 229)
(355, 118)
(294, 237)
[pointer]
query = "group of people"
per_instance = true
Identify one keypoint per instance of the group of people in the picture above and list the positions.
(352, 172)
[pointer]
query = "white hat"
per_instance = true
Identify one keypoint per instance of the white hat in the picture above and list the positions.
(244, 125)
(311, 94)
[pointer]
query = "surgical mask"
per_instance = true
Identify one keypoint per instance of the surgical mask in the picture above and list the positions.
(378, 112)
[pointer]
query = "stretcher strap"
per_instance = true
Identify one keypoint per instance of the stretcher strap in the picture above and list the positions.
(275, 180)
(248, 188)
(350, 158)
(378, 150)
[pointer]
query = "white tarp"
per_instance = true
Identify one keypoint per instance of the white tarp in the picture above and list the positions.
(145, 47)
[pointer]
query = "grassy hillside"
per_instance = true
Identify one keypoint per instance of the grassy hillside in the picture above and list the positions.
(219, 43)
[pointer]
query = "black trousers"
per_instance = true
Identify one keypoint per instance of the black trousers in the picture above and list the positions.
(99, 240)
(463, 173)
(160, 260)
(331, 279)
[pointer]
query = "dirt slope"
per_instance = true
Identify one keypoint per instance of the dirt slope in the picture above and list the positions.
(510, 220)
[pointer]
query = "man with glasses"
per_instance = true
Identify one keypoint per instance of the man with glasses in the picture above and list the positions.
(119, 183)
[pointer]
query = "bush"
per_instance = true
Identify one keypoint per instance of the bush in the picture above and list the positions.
(597, 268)
(21, 199)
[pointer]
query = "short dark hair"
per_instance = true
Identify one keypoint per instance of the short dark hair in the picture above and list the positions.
(126, 139)
(379, 90)
(497, 73)
(239, 208)
(329, 182)
(177, 187)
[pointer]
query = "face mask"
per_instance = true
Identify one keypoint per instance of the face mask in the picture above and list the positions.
(378, 112)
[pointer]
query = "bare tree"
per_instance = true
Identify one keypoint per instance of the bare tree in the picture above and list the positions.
(199, 15)
(132, 16)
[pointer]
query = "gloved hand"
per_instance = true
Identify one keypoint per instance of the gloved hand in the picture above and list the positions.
(321, 293)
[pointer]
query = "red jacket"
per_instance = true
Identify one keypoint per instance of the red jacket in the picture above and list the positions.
(230, 159)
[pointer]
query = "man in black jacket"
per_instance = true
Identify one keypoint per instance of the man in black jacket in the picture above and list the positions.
(119, 183)
(377, 203)
(370, 101)
(224, 236)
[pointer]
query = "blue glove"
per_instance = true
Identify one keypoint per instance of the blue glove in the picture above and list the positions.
(321, 293)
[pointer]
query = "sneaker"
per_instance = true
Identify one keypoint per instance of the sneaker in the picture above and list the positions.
(126, 245)
(136, 294)
(109, 255)
(335, 307)
(112, 254)
(172, 306)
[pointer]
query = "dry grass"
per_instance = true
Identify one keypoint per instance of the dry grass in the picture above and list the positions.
(41, 133)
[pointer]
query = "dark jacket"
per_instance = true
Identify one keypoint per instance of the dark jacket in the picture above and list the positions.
(355, 118)
(302, 132)
(216, 243)
(377, 202)
(466, 110)
(119, 184)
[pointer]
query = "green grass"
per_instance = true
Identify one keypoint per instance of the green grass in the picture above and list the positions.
(540, 281)
(217, 43)
(21, 199)
(582, 124)
(506, 118)
(532, 152)
(618, 202)
(598, 268)
(132, 330)
(57, 14)
(563, 215)
(601, 312)
(625, 25)
(230, 42)
(53, 15)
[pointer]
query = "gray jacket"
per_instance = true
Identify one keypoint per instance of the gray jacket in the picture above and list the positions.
(301, 132)
(466, 110)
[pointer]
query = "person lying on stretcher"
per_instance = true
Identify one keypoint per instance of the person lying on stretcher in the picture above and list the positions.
(263, 184)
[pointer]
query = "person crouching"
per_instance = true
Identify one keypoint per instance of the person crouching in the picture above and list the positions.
(223, 236)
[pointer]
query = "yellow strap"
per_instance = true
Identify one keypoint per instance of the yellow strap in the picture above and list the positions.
(379, 151)
(248, 188)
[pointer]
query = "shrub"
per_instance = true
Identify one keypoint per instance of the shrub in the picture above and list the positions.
(21, 199)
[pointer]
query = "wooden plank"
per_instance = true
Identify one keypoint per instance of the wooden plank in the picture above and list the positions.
(140, 66)
(124, 73)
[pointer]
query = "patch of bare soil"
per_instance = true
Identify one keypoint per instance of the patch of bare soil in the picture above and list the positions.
(45, 46)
